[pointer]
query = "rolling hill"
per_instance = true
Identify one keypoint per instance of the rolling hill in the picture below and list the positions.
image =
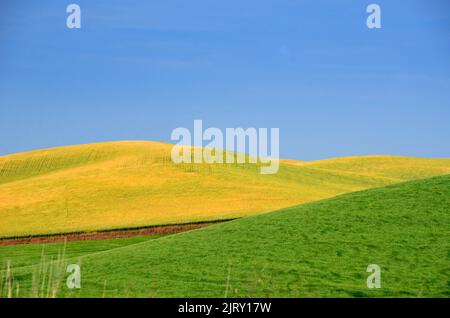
(130, 184)
(318, 249)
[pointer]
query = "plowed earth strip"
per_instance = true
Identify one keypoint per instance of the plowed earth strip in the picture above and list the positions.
(150, 231)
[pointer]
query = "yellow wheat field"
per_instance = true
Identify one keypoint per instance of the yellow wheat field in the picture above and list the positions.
(134, 183)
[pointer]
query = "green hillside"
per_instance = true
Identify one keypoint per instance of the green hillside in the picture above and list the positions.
(319, 249)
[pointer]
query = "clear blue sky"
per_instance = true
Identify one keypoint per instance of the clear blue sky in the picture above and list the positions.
(139, 69)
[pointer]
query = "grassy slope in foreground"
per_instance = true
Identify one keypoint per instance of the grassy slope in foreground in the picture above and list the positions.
(126, 184)
(318, 249)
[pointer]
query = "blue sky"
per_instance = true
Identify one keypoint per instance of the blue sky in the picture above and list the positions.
(138, 69)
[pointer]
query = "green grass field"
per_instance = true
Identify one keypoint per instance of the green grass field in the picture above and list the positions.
(318, 249)
(129, 184)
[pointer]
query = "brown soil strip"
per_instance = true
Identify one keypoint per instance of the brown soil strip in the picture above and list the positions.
(150, 231)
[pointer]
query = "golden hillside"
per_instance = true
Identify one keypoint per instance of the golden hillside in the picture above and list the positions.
(134, 183)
